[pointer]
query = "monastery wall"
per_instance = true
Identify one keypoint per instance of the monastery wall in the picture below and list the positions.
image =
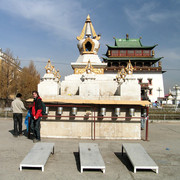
(157, 83)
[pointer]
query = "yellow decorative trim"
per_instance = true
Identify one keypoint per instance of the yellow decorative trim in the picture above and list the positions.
(49, 67)
(123, 73)
(82, 70)
(98, 70)
(89, 69)
(129, 68)
(82, 33)
(79, 70)
(152, 52)
(84, 48)
(109, 53)
(58, 75)
(159, 64)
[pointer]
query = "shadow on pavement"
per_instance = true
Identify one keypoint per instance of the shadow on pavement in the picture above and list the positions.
(77, 159)
(124, 159)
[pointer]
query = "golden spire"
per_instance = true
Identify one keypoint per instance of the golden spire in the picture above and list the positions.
(88, 21)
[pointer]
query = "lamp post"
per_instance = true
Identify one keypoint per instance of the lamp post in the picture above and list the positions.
(176, 91)
(159, 89)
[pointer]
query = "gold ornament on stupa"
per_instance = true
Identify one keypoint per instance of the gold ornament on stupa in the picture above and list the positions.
(49, 67)
(58, 75)
(129, 68)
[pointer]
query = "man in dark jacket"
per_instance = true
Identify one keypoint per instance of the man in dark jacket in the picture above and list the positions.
(37, 116)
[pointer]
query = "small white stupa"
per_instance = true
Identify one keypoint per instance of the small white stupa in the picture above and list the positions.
(50, 82)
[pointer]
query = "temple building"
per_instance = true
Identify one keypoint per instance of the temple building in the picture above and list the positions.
(147, 68)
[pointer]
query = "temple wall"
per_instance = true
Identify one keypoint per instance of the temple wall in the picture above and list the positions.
(83, 127)
(157, 82)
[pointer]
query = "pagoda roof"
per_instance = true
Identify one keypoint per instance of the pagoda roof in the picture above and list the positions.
(132, 58)
(129, 43)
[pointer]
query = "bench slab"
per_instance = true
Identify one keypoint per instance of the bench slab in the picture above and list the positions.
(38, 155)
(139, 157)
(90, 157)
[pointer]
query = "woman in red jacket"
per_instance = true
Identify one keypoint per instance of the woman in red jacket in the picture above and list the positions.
(37, 116)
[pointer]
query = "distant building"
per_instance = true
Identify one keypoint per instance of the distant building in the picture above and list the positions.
(147, 68)
(173, 97)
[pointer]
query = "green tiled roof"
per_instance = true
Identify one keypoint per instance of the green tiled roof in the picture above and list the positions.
(131, 58)
(130, 43)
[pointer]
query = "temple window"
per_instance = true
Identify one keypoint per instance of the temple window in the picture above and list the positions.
(150, 81)
(115, 64)
(139, 81)
(88, 46)
(122, 52)
(114, 52)
(138, 52)
(109, 64)
(146, 64)
(150, 91)
(146, 53)
(124, 64)
(131, 52)
(139, 64)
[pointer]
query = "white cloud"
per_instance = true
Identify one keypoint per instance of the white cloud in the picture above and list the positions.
(171, 58)
(59, 17)
(149, 13)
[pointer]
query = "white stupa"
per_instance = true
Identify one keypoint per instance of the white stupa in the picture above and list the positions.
(88, 46)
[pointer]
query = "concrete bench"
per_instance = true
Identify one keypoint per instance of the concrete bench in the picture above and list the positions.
(139, 157)
(38, 155)
(90, 157)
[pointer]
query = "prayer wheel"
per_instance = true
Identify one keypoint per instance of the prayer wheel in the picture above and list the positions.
(103, 111)
(131, 111)
(60, 110)
(117, 111)
(74, 111)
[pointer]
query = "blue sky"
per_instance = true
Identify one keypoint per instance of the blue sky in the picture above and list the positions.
(41, 29)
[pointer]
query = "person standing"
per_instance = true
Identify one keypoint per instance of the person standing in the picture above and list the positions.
(17, 107)
(36, 116)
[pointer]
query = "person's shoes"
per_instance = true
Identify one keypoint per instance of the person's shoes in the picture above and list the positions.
(21, 134)
(36, 140)
(15, 135)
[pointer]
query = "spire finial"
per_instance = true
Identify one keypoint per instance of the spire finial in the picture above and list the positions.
(88, 18)
(87, 29)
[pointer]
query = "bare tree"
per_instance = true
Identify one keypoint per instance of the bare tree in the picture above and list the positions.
(29, 79)
(9, 73)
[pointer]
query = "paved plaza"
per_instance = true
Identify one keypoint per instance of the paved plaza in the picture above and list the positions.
(163, 146)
